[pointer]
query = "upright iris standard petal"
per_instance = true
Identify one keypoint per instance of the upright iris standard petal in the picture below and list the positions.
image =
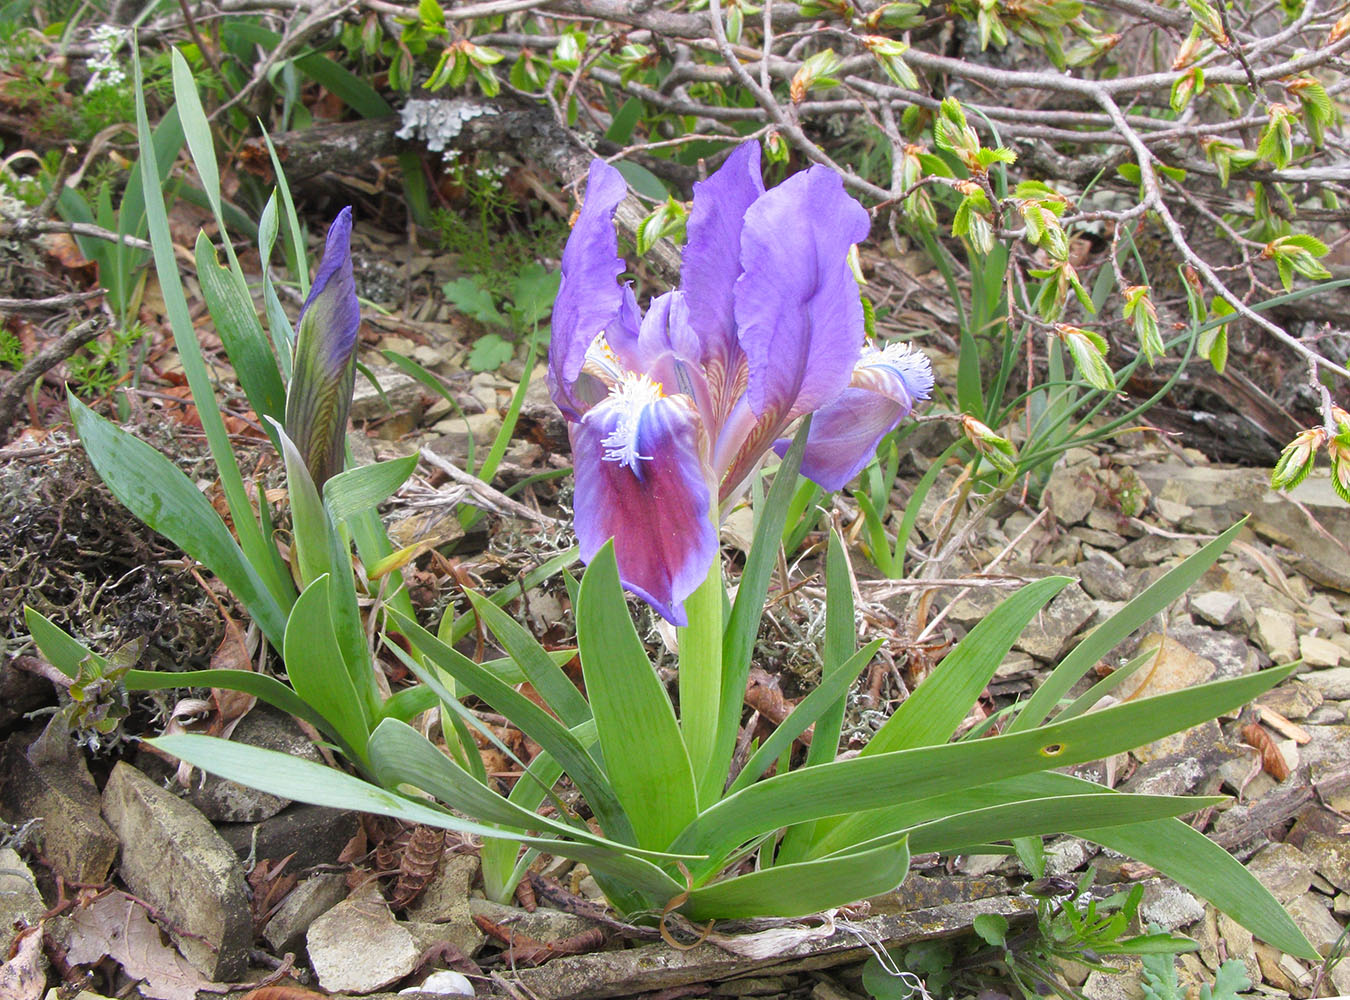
(798, 310)
(590, 299)
(844, 435)
(324, 373)
(641, 480)
(711, 266)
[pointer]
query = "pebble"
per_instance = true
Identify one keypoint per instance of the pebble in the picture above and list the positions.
(1333, 683)
(357, 947)
(446, 982)
(1217, 607)
(1319, 652)
(1276, 633)
(303, 905)
(1169, 906)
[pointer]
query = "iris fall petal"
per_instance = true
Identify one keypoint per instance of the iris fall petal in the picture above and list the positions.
(641, 480)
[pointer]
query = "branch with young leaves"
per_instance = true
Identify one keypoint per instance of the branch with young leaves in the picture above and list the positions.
(1230, 116)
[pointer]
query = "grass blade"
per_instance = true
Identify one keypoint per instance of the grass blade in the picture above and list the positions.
(1104, 637)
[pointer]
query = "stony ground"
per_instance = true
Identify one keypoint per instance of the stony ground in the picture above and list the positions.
(105, 850)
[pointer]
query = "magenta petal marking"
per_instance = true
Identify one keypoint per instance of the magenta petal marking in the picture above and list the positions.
(797, 303)
(640, 479)
(590, 299)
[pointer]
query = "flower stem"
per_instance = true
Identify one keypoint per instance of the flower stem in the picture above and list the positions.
(701, 682)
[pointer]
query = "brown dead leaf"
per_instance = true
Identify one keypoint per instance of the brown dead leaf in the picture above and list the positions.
(115, 926)
(22, 976)
(763, 694)
(62, 249)
(231, 654)
(283, 993)
(421, 854)
(270, 888)
(1272, 761)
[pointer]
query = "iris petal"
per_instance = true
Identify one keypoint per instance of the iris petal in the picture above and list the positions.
(712, 256)
(324, 371)
(641, 480)
(844, 435)
(797, 303)
(590, 299)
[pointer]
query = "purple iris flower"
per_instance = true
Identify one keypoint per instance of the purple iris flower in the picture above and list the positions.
(324, 373)
(669, 413)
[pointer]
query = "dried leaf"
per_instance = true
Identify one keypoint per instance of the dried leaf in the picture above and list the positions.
(1272, 761)
(763, 694)
(232, 654)
(421, 855)
(283, 993)
(116, 926)
(270, 888)
(22, 977)
(521, 949)
(63, 250)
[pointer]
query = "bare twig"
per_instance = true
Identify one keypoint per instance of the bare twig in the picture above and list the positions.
(11, 395)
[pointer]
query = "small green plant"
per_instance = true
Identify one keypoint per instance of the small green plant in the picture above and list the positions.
(1160, 980)
(1072, 925)
(11, 351)
(526, 303)
(100, 367)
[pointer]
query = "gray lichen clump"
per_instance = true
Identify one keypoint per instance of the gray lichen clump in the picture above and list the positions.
(439, 122)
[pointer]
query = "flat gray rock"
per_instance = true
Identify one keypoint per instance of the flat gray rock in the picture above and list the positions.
(1312, 551)
(1330, 855)
(1231, 655)
(1293, 699)
(20, 902)
(1047, 636)
(57, 789)
(1169, 906)
(1283, 869)
(1332, 683)
(1072, 493)
(309, 900)
(358, 947)
(1216, 607)
(173, 859)
(309, 835)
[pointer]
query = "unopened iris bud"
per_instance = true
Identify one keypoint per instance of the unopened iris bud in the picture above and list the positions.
(324, 374)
